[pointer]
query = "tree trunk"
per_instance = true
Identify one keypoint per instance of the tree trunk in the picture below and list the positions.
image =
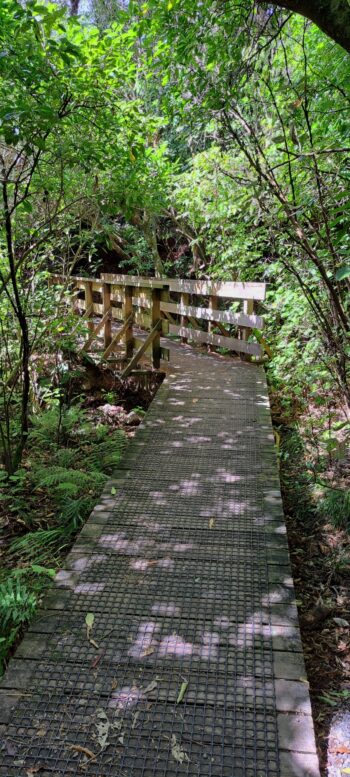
(74, 7)
(331, 16)
(150, 233)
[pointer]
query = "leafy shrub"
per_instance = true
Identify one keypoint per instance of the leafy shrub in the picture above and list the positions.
(17, 602)
(335, 507)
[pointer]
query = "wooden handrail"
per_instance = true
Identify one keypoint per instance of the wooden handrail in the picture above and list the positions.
(227, 289)
(168, 306)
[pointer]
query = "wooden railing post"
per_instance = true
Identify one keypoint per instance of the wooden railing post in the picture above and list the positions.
(106, 302)
(155, 313)
(185, 300)
(129, 337)
(248, 309)
(165, 297)
(89, 303)
(213, 305)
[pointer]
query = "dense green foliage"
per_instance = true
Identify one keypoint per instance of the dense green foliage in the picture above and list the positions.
(69, 459)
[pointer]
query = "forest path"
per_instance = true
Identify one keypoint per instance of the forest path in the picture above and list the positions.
(169, 644)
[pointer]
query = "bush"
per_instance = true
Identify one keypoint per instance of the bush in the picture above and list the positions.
(335, 507)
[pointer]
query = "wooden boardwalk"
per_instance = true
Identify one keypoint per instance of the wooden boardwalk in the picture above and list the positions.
(192, 663)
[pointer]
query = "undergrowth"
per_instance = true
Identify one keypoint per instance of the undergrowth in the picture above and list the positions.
(314, 468)
(45, 503)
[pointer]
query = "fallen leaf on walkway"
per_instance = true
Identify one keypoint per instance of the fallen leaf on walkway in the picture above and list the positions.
(96, 661)
(34, 770)
(113, 491)
(84, 750)
(134, 718)
(182, 692)
(194, 401)
(150, 687)
(148, 651)
(103, 726)
(177, 752)
(41, 732)
(89, 620)
(211, 523)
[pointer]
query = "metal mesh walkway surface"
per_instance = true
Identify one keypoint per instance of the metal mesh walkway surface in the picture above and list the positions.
(190, 661)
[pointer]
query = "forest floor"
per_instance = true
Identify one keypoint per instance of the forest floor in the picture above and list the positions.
(71, 453)
(320, 556)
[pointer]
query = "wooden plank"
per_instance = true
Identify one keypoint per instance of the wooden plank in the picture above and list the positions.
(185, 298)
(229, 290)
(97, 286)
(106, 302)
(135, 280)
(164, 352)
(155, 320)
(128, 316)
(223, 316)
(219, 340)
(248, 307)
(195, 323)
(118, 335)
(168, 316)
(97, 329)
(87, 310)
(138, 341)
(137, 356)
(164, 298)
(89, 302)
(142, 319)
(213, 306)
(142, 300)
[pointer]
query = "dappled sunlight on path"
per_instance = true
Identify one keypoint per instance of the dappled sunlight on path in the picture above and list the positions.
(193, 662)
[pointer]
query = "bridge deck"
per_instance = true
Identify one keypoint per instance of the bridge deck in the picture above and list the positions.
(193, 664)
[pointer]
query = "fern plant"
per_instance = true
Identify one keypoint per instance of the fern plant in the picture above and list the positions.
(64, 482)
(105, 456)
(67, 479)
(46, 426)
(17, 603)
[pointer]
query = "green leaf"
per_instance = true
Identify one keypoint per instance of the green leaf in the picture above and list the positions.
(113, 491)
(89, 620)
(343, 272)
(43, 570)
(182, 692)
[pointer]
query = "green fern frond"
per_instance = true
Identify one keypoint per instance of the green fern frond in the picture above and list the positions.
(106, 456)
(74, 512)
(17, 603)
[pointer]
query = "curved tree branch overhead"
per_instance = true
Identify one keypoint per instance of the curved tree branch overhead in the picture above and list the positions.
(331, 16)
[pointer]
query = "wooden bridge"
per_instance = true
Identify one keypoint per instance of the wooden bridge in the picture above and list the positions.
(169, 644)
(196, 311)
